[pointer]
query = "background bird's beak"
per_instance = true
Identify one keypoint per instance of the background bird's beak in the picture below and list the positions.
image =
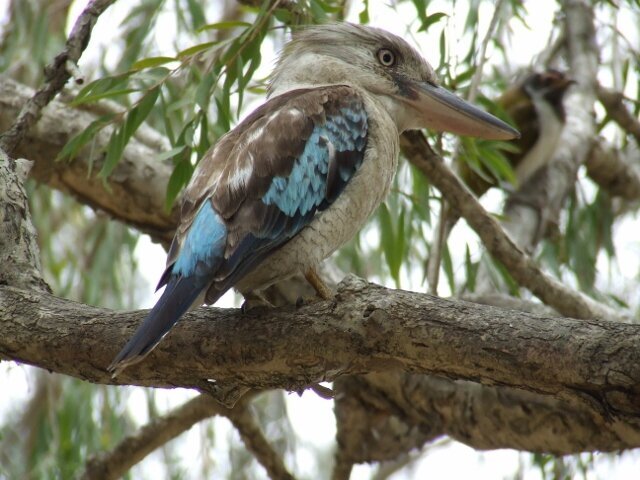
(441, 110)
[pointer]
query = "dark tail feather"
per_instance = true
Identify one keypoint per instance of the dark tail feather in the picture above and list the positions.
(178, 296)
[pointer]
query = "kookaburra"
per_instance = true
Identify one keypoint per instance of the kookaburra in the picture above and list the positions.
(536, 106)
(302, 173)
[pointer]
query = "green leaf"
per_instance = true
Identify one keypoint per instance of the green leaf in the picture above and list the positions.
(471, 270)
(179, 178)
(431, 20)
(389, 243)
(283, 15)
(104, 88)
(170, 153)
(204, 143)
(197, 14)
(123, 134)
(447, 266)
(203, 92)
(73, 146)
(152, 62)
(224, 25)
(363, 16)
(199, 48)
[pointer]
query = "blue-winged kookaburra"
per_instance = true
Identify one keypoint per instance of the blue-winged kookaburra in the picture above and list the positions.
(300, 175)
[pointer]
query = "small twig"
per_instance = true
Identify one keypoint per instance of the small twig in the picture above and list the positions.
(523, 269)
(477, 76)
(613, 102)
(131, 450)
(445, 224)
(440, 236)
(75, 72)
(241, 418)
(56, 75)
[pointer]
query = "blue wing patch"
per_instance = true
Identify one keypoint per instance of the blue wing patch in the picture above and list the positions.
(331, 156)
(305, 188)
(203, 247)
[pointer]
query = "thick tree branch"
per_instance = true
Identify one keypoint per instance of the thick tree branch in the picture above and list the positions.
(19, 254)
(384, 415)
(134, 193)
(114, 463)
(594, 365)
(56, 74)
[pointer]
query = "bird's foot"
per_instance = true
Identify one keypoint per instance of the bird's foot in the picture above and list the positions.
(254, 302)
(321, 288)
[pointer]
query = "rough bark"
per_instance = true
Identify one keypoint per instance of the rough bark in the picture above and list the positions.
(19, 254)
(593, 365)
(57, 73)
(134, 193)
(384, 415)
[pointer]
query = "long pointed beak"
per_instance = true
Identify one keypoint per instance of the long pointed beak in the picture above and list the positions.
(441, 110)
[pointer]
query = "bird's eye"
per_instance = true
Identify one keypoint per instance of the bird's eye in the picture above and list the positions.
(386, 57)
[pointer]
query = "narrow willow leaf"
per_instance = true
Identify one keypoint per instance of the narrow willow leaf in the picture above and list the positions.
(170, 153)
(363, 16)
(103, 88)
(152, 62)
(123, 134)
(447, 266)
(204, 143)
(388, 242)
(224, 25)
(203, 92)
(201, 47)
(73, 146)
(114, 152)
(179, 178)
(196, 12)
(431, 20)
(471, 270)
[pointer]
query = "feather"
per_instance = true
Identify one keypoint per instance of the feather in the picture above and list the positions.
(185, 280)
(251, 193)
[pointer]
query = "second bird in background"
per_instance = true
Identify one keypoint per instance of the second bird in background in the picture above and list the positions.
(536, 105)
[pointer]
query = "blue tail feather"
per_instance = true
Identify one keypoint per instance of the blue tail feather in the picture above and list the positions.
(177, 298)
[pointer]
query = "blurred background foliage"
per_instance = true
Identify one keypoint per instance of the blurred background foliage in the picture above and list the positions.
(191, 69)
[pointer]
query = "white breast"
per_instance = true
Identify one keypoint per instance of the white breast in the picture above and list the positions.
(542, 151)
(334, 227)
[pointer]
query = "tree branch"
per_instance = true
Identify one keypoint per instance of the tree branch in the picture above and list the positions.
(241, 418)
(613, 103)
(19, 254)
(132, 449)
(607, 167)
(134, 193)
(592, 364)
(56, 75)
(521, 267)
(387, 414)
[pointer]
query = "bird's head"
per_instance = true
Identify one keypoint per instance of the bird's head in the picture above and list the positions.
(550, 85)
(389, 69)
